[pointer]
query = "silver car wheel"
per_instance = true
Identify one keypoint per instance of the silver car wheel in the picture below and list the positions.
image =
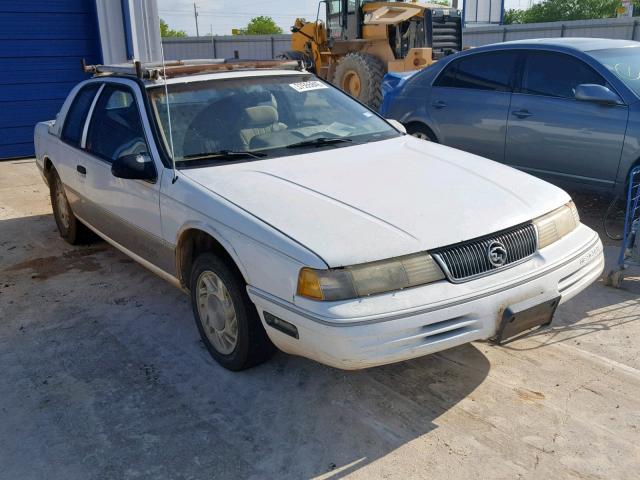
(217, 313)
(62, 205)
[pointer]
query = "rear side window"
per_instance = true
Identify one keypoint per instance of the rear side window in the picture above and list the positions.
(116, 128)
(448, 76)
(77, 114)
(486, 71)
(556, 74)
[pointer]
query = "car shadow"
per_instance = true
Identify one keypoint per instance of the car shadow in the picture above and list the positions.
(337, 422)
(105, 377)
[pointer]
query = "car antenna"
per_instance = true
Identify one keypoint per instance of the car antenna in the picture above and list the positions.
(166, 95)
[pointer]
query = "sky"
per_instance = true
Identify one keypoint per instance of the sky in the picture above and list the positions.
(223, 15)
(220, 16)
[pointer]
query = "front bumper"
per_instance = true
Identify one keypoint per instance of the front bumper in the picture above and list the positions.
(402, 325)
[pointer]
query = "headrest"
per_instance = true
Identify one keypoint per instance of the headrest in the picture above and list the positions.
(261, 116)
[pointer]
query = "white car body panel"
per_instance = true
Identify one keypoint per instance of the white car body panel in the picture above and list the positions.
(384, 199)
(336, 207)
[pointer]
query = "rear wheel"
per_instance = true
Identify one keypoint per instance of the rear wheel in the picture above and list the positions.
(421, 131)
(360, 75)
(70, 228)
(228, 322)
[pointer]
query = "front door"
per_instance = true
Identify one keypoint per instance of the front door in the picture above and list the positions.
(469, 103)
(69, 149)
(553, 135)
(126, 211)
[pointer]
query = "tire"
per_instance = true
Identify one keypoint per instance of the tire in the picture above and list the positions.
(226, 318)
(421, 131)
(614, 279)
(360, 75)
(70, 228)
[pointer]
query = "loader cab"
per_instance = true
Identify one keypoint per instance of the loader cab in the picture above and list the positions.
(439, 29)
(343, 19)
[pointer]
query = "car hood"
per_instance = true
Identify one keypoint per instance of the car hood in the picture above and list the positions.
(384, 199)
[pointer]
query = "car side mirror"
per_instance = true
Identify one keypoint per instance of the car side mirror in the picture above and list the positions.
(397, 125)
(588, 92)
(136, 166)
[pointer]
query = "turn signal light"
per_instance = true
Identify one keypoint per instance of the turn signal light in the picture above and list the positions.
(309, 284)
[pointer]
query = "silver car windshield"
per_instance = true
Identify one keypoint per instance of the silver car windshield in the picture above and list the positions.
(624, 63)
(242, 119)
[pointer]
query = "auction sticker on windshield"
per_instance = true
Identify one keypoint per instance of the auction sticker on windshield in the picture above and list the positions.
(307, 86)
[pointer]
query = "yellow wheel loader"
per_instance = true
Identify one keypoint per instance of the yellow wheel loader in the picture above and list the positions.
(362, 40)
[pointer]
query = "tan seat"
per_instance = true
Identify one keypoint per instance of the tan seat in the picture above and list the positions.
(259, 120)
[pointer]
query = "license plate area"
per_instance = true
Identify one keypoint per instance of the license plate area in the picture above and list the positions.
(526, 315)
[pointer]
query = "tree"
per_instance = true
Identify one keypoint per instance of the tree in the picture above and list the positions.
(261, 26)
(165, 31)
(565, 10)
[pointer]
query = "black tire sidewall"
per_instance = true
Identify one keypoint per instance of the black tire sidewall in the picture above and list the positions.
(245, 311)
(371, 72)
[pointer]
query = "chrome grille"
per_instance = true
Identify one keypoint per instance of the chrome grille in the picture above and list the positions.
(470, 260)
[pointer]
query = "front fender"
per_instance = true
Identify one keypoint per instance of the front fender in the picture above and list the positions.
(218, 236)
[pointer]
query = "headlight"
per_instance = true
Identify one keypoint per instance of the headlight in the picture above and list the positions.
(368, 278)
(555, 225)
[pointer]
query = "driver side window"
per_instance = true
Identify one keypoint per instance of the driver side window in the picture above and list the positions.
(116, 128)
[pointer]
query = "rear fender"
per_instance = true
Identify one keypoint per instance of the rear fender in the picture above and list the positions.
(391, 87)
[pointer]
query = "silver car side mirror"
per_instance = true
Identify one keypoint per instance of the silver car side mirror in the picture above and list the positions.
(588, 92)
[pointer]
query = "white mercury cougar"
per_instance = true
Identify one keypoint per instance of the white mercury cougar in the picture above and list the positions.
(296, 217)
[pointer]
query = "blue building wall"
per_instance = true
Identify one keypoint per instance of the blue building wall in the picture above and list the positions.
(42, 43)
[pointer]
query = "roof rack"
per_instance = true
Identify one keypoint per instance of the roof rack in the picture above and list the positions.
(179, 68)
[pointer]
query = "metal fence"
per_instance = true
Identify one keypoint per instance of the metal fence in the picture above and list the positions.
(260, 47)
(254, 47)
(625, 28)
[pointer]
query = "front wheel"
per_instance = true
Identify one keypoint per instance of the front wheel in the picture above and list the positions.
(228, 322)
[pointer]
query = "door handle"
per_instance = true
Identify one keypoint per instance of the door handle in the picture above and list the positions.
(521, 113)
(81, 169)
(439, 104)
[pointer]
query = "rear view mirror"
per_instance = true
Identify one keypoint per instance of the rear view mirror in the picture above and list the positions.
(136, 166)
(588, 92)
(397, 125)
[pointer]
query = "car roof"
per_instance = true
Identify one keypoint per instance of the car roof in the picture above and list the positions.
(568, 43)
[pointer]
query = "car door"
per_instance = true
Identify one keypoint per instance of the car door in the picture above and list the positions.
(551, 134)
(469, 102)
(126, 211)
(69, 147)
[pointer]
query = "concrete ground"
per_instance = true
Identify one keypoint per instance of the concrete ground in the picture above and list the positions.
(103, 376)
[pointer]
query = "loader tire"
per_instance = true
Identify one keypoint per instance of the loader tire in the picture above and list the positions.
(360, 75)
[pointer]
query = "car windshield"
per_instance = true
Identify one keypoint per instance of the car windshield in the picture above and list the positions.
(624, 63)
(243, 119)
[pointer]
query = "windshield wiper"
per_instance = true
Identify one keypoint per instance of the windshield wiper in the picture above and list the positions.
(319, 142)
(224, 153)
